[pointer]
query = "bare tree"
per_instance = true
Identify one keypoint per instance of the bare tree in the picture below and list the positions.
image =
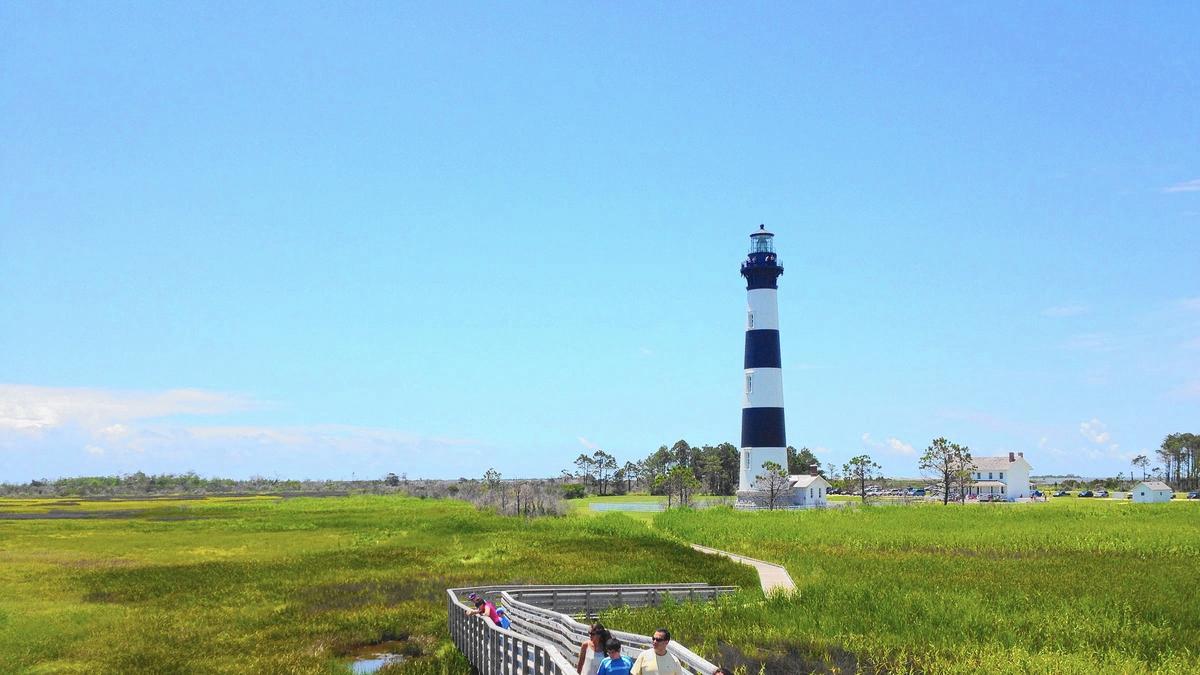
(773, 482)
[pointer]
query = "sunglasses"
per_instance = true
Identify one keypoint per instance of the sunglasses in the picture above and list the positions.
(658, 639)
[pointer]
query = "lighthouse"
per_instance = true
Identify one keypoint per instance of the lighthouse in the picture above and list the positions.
(763, 437)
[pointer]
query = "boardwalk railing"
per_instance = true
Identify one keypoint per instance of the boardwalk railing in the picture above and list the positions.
(544, 640)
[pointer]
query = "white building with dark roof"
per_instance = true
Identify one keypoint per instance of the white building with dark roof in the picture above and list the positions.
(1005, 476)
(1149, 491)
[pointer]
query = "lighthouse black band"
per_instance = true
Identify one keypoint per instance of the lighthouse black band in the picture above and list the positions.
(762, 349)
(763, 428)
(761, 275)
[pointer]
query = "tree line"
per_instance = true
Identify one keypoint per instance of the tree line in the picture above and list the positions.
(681, 470)
(1179, 454)
(139, 483)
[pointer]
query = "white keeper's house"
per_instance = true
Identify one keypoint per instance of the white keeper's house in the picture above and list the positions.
(1007, 476)
(1151, 491)
(809, 490)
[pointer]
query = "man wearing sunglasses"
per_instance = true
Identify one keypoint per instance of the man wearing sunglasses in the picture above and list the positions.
(657, 661)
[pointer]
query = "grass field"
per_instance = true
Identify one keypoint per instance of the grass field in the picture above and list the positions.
(270, 585)
(1068, 586)
(265, 585)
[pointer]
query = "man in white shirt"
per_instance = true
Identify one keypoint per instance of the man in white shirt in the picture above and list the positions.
(657, 661)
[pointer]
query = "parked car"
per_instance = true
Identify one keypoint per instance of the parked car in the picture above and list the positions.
(1194, 494)
(1086, 493)
(1102, 493)
(1037, 493)
(1062, 493)
(919, 492)
(1128, 495)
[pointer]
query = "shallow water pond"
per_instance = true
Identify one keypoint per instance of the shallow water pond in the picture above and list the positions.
(373, 657)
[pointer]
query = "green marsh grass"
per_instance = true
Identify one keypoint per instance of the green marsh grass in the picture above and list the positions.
(1057, 587)
(233, 585)
(262, 585)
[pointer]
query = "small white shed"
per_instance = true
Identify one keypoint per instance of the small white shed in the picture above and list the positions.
(1151, 491)
(809, 490)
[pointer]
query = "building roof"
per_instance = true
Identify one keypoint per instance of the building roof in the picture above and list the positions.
(804, 480)
(990, 483)
(1000, 463)
(1155, 485)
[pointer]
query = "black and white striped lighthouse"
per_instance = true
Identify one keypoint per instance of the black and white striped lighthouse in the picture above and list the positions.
(763, 437)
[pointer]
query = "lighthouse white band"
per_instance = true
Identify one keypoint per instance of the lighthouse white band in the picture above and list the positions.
(752, 461)
(762, 309)
(762, 388)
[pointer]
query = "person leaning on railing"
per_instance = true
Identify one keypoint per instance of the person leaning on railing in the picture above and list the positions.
(483, 608)
(656, 660)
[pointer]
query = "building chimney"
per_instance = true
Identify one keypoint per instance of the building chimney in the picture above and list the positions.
(814, 472)
(1011, 458)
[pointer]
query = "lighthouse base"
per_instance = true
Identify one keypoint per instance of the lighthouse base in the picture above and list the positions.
(760, 500)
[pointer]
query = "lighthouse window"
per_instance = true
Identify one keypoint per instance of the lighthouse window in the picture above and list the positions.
(762, 244)
(750, 319)
(749, 384)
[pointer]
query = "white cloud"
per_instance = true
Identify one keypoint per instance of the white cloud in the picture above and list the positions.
(48, 431)
(1185, 186)
(1095, 431)
(588, 444)
(892, 445)
(1065, 310)
(33, 408)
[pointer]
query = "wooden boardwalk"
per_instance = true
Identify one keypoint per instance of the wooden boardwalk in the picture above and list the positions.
(772, 577)
(544, 637)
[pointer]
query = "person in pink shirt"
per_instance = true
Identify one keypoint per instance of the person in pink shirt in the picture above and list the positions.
(484, 608)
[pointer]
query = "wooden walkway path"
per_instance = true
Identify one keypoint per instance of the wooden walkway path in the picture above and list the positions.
(544, 639)
(772, 577)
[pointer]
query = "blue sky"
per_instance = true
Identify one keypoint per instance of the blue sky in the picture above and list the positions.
(313, 240)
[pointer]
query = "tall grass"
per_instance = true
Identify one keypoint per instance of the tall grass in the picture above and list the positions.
(288, 586)
(291, 586)
(1059, 587)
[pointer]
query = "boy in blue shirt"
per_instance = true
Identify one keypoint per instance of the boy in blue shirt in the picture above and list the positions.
(614, 663)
